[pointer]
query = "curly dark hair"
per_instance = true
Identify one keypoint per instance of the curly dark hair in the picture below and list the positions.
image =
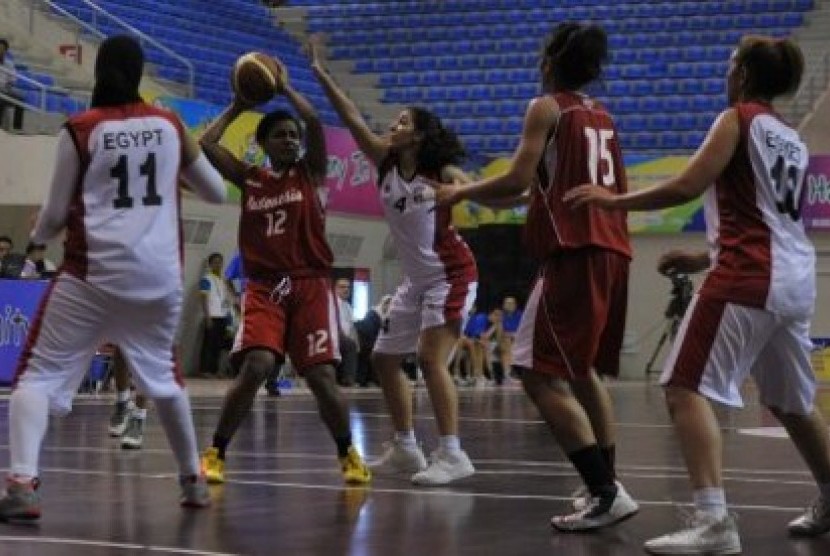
(440, 146)
(270, 120)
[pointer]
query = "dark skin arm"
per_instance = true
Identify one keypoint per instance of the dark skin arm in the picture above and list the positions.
(231, 168)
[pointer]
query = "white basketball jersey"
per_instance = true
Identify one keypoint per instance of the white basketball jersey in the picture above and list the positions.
(429, 248)
(761, 251)
(124, 228)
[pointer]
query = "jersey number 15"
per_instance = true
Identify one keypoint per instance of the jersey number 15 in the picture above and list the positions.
(597, 153)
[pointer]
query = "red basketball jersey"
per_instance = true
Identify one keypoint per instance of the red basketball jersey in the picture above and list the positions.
(282, 229)
(583, 147)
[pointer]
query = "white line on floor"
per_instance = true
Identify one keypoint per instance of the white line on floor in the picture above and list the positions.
(107, 544)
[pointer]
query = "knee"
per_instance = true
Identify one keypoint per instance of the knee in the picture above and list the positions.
(257, 367)
(320, 379)
(429, 364)
(676, 399)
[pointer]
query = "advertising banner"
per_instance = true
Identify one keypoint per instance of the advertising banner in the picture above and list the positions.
(19, 301)
(351, 177)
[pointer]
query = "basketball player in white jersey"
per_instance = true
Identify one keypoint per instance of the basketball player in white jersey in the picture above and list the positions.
(751, 316)
(438, 285)
(115, 192)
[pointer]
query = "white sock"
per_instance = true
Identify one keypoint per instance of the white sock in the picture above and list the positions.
(712, 501)
(139, 413)
(122, 396)
(824, 489)
(28, 420)
(450, 443)
(406, 439)
(175, 417)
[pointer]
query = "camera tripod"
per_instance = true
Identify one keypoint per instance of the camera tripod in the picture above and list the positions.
(669, 332)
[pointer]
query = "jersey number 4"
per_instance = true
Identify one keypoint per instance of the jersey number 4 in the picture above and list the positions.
(121, 173)
(597, 153)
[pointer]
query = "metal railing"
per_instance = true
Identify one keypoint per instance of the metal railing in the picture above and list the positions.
(43, 88)
(98, 12)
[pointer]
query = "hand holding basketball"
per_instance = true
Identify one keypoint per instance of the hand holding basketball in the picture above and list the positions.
(257, 77)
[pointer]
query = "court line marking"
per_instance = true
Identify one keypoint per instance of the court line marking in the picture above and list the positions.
(108, 544)
(478, 461)
(413, 491)
(515, 472)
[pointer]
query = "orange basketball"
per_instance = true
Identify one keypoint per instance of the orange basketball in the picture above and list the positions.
(255, 77)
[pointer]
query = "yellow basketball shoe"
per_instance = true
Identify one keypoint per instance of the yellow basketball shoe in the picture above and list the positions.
(355, 470)
(213, 467)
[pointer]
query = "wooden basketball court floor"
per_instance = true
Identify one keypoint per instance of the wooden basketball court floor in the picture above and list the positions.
(284, 494)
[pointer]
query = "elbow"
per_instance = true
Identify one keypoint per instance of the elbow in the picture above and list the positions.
(518, 183)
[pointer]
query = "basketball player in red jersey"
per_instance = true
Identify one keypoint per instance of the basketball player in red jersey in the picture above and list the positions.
(437, 288)
(567, 339)
(288, 305)
(115, 191)
(751, 316)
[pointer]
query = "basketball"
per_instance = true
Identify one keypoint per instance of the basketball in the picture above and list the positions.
(255, 77)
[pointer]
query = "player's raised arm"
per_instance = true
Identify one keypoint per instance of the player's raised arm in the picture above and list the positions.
(231, 168)
(373, 145)
(199, 174)
(315, 139)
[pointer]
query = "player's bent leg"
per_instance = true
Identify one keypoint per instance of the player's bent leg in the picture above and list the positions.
(596, 400)
(256, 367)
(401, 455)
(711, 530)
(449, 462)
(335, 414)
(29, 419)
(609, 503)
(176, 419)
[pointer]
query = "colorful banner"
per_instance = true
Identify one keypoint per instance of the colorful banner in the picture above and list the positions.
(19, 300)
(816, 207)
(685, 218)
(644, 172)
(351, 178)
(468, 214)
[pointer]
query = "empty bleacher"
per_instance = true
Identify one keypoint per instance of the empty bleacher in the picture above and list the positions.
(475, 61)
(211, 35)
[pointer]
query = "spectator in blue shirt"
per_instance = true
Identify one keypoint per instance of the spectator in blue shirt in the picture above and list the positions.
(471, 344)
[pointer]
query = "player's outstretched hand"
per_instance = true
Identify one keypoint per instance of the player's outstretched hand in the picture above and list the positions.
(446, 194)
(312, 50)
(682, 262)
(589, 195)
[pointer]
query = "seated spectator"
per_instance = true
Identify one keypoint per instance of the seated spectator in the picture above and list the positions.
(494, 342)
(511, 317)
(368, 329)
(11, 264)
(7, 81)
(347, 369)
(37, 266)
(471, 348)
